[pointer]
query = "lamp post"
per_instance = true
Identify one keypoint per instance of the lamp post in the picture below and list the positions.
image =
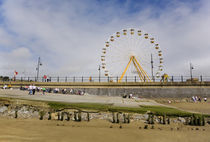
(99, 71)
(152, 67)
(191, 73)
(37, 69)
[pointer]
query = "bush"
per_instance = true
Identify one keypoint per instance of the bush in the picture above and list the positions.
(146, 127)
(118, 121)
(152, 119)
(203, 121)
(164, 119)
(88, 116)
(41, 114)
(50, 116)
(168, 120)
(16, 113)
(113, 117)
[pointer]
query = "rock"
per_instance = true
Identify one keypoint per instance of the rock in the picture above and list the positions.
(145, 116)
(180, 119)
(3, 109)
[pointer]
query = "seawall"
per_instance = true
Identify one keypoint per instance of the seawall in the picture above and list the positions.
(138, 89)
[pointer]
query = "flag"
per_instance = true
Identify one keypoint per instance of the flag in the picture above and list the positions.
(15, 73)
(45, 77)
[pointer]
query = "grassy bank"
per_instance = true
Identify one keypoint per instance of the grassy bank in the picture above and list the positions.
(157, 110)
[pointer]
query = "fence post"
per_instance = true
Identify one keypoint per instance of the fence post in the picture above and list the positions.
(201, 78)
(50, 79)
(144, 79)
(172, 78)
(135, 78)
(82, 78)
(65, 79)
(74, 79)
(21, 79)
(126, 79)
(182, 79)
(58, 79)
(108, 78)
(117, 78)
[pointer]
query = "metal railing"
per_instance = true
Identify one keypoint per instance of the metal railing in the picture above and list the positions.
(109, 79)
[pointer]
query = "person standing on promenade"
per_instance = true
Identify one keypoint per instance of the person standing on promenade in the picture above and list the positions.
(43, 91)
(34, 89)
(30, 88)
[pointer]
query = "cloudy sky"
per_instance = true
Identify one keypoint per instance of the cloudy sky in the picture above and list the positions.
(68, 35)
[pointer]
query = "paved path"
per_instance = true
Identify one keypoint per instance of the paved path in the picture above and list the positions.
(117, 101)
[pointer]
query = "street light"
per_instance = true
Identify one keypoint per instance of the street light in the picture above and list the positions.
(37, 69)
(152, 67)
(191, 68)
(99, 71)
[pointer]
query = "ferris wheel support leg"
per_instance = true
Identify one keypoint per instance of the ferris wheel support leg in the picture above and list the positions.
(125, 69)
(143, 72)
(139, 72)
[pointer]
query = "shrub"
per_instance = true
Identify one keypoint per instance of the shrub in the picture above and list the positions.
(164, 119)
(16, 113)
(75, 116)
(113, 117)
(62, 115)
(118, 121)
(168, 120)
(79, 116)
(88, 116)
(152, 119)
(41, 114)
(146, 127)
(203, 121)
(50, 116)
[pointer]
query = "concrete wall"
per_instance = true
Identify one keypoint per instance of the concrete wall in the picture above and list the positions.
(138, 89)
(163, 92)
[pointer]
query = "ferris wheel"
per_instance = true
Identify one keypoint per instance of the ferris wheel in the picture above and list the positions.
(132, 52)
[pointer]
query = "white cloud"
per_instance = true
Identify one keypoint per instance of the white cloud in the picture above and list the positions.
(69, 35)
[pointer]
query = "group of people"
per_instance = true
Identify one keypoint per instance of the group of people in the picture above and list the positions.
(32, 89)
(130, 96)
(198, 99)
(5, 86)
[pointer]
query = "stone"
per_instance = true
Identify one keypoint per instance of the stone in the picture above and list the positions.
(3, 109)
(180, 119)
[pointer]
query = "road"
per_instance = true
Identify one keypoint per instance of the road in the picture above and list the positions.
(116, 101)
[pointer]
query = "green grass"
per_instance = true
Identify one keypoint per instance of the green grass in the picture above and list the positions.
(157, 110)
(88, 106)
(161, 110)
